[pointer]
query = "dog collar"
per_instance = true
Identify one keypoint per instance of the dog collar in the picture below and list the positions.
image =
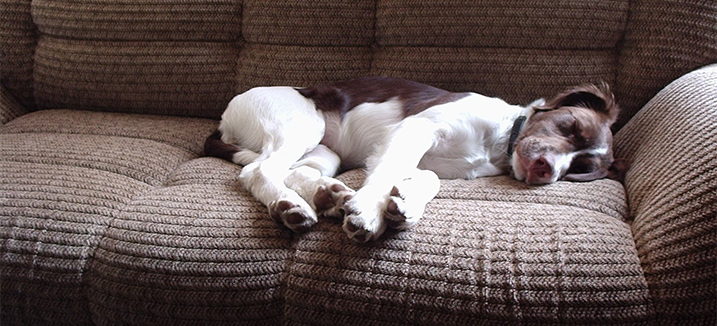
(517, 127)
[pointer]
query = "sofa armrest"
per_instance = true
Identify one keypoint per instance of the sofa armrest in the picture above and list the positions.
(672, 189)
(10, 108)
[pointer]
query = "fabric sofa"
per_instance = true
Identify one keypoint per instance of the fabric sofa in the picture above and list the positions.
(110, 214)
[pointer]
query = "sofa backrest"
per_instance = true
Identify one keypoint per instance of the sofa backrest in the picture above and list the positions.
(190, 57)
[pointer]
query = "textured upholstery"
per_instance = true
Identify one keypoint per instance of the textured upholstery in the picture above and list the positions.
(11, 107)
(110, 216)
(673, 187)
(183, 58)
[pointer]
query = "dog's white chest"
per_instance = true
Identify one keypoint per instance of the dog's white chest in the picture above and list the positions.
(470, 140)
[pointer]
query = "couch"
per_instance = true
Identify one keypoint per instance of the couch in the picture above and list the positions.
(110, 214)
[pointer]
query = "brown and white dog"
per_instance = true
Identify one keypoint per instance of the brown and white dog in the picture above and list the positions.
(292, 141)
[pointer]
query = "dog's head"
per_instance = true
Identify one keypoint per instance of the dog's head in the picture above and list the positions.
(569, 138)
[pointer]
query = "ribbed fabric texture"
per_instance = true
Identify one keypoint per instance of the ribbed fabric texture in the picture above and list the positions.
(18, 40)
(112, 218)
(65, 176)
(673, 196)
(491, 70)
(157, 236)
(664, 39)
(178, 78)
(504, 24)
(191, 58)
(10, 107)
(140, 20)
(488, 251)
(187, 255)
(315, 23)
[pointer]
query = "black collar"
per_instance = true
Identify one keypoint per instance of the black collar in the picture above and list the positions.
(517, 127)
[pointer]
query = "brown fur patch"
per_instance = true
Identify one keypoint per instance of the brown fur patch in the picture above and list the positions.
(343, 96)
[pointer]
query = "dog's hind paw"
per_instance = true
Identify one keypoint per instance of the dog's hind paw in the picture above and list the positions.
(330, 199)
(362, 220)
(295, 217)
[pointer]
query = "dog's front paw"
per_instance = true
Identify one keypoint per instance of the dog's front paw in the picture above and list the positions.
(400, 214)
(294, 216)
(362, 220)
(330, 198)
(408, 199)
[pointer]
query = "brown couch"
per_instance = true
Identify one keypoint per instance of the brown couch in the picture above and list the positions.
(110, 215)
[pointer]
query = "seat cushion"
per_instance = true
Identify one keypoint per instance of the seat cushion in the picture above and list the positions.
(114, 218)
(110, 217)
(491, 249)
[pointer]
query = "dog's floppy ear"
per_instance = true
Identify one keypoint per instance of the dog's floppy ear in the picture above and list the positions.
(585, 177)
(595, 97)
(618, 169)
(591, 168)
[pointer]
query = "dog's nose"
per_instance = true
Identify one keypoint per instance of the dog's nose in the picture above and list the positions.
(540, 171)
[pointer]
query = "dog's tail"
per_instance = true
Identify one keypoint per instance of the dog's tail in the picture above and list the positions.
(214, 146)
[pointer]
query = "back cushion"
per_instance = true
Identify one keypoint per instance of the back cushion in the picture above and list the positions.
(189, 58)
(518, 50)
(157, 57)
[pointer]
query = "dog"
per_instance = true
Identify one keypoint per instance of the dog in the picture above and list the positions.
(291, 142)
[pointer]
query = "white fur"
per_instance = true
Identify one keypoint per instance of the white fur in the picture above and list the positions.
(454, 140)
(362, 130)
(276, 126)
(285, 167)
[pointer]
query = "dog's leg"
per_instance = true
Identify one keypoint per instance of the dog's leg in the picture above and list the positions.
(408, 199)
(392, 166)
(265, 177)
(312, 178)
(275, 127)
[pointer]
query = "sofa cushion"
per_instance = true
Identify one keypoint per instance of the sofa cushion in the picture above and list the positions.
(664, 39)
(672, 187)
(197, 250)
(193, 78)
(52, 217)
(105, 212)
(188, 254)
(111, 217)
(181, 60)
(216, 20)
(496, 23)
(66, 175)
(491, 249)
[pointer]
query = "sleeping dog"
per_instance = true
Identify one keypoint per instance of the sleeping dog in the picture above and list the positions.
(292, 141)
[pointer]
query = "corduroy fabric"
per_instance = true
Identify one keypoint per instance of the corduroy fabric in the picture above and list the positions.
(142, 20)
(315, 23)
(110, 218)
(672, 187)
(10, 107)
(297, 43)
(51, 220)
(185, 134)
(65, 176)
(178, 78)
(514, 24)
(18, 37)
(653, 45)
(488, 251)
(290, 65)
(187, 255)
(513, 74)
(664, 39)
